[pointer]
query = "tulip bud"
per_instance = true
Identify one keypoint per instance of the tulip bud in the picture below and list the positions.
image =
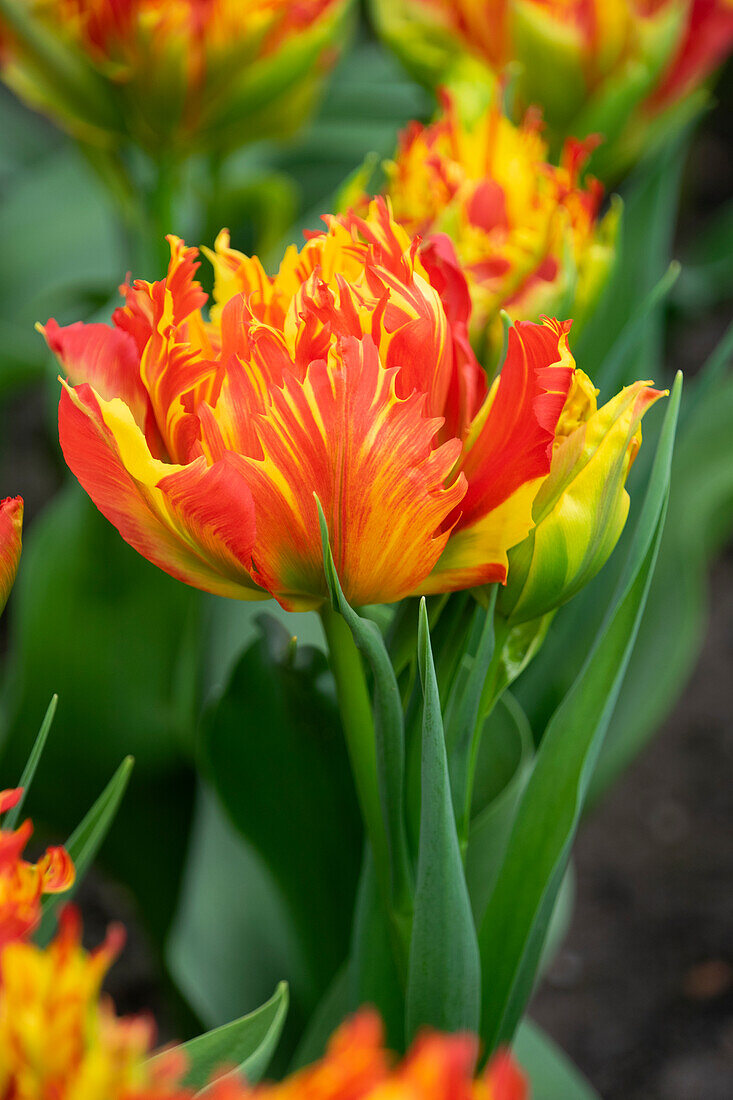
(581, 507)
(11, 526)
(176, 76)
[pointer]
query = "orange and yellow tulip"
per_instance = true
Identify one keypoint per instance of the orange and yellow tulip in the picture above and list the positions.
(604, 66)
(171, 74)
(11, 542)
(59, 1038)
(526, 233)
(346, 377)
(22, 884)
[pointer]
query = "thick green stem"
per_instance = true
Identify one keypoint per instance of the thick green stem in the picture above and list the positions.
(358, 724)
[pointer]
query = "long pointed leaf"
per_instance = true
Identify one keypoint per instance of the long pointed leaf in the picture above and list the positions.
(244, 1046)
(85, 841)
(464, 705)
(443, 980)
(611, 374)
(11, 819)
(513, 930)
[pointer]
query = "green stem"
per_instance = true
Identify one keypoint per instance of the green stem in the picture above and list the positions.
(358, 724)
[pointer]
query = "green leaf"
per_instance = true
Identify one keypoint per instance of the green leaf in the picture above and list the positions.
(245, 1045)
(373, 975)
(273, 747)
(333, 1008)
(85, 841)
(612, 373)
(551, 1074)
(11, 818)
(462, 714)
(514, 926)
(443, 981)
(228, 887)
(502, 770)
(120, 642)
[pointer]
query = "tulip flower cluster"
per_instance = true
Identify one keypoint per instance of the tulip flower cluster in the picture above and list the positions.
(608, 65)
(526, 233)
(174, 74)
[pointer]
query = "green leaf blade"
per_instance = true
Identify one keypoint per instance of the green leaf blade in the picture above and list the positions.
(86, 840)
(443, 983)
(244, 1046)
(11, 819)
(513, 929)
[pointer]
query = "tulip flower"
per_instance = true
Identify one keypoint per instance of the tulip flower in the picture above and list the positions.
(581, 508)
(59, 1039)
(356, 1065)
(345, 379)
(525, 233)
(170, 75)
(22, 884)
(11, 529)
(591, 65)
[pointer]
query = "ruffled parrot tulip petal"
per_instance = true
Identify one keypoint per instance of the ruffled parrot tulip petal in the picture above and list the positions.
(345, 377)
(60, 1037)
(11, 543)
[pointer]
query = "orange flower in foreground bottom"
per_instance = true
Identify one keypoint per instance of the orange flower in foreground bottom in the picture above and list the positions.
(347, 376)
(11, 527)
(58, 1039)
(356, 1066)
(22, 885)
